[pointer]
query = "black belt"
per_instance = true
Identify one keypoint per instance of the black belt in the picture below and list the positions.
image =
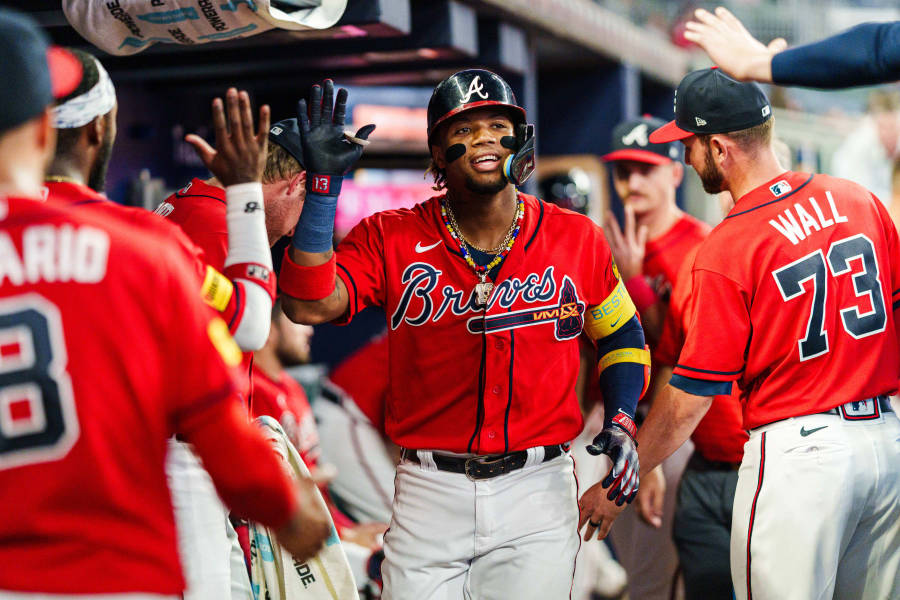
(698, 462)
(485, 467)
(856, 411)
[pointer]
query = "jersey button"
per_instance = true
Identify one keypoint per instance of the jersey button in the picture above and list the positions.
(498, 344)
(496, 390)
(491, 435)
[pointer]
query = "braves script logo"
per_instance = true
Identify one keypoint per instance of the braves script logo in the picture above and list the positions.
(419, 304)
(475, 87)
(638, 136)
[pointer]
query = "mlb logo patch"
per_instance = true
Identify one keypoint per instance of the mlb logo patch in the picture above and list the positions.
(321, 184)
(780, 188)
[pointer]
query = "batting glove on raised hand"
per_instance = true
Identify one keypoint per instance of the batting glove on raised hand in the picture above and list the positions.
(326, 150)
(618, 443)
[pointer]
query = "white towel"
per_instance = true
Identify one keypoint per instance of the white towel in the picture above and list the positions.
(129, 26)
(274, 573)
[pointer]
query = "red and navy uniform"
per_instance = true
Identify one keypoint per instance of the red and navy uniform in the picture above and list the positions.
(808, 322)
(470, 379)
(98, 320)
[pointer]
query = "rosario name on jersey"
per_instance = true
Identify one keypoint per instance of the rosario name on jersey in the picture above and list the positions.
(794, 296)
(481, 379)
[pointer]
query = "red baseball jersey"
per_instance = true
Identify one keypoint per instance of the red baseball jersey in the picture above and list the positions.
(200, 210)
(467, 379)
(364, 377)
(97, 323)
(793, 297)
(720, 435)
(285, 400)
(663, 256)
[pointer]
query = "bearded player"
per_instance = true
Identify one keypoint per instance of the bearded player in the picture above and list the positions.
(794, 297)
(486, 291)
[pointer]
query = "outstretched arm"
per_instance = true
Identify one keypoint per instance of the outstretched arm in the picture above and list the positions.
(244, 294)
(312, 291)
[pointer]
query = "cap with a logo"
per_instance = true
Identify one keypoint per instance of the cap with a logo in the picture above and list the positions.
(631, 141)
(709, 101)
(286, 134)
(33, 73)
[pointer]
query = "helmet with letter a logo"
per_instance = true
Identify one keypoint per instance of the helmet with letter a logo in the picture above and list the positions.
(465, 90)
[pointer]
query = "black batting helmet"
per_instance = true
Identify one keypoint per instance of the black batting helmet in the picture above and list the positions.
(465, 90)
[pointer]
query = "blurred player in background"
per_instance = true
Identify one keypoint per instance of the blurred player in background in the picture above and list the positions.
(818, 494)
(83, 433)
(350, 416)
(649, 251)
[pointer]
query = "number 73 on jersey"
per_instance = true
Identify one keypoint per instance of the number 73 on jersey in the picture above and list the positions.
(820, 267)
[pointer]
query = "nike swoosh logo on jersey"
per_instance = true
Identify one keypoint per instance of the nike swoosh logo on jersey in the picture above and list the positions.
(805, 432)
(420, 248)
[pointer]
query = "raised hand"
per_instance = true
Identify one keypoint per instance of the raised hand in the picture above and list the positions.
(629, 246)
(731, 47)
(326, 148)
(240, 153)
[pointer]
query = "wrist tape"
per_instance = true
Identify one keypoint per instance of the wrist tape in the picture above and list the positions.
(315, 229)
(307, 283)
(245, 216)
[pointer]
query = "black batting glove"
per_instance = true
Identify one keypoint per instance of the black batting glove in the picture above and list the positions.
(326, 150)
(618, 443)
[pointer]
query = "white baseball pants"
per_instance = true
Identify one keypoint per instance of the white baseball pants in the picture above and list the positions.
(817, 511)
(512, 536)
(212, 560)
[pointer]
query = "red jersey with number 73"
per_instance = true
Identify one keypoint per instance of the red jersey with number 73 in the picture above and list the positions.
(470, 379)
(794, 296)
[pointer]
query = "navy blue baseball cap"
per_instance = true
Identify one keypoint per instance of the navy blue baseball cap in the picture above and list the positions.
(286, 133)
(709, 101)
(34, 74)
(631, 141)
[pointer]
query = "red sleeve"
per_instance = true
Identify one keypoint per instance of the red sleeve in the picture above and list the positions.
(718, 329)
(246, 471)
(205, 409)
(672, 338)
(360, 264)
(604, 265)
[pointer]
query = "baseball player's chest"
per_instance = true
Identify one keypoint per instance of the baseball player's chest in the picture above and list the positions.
(539, 298)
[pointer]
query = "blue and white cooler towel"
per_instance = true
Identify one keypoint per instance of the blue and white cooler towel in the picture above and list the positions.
(274, 573)
(124, 27)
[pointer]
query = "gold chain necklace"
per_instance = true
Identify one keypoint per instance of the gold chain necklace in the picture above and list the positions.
(500, 246)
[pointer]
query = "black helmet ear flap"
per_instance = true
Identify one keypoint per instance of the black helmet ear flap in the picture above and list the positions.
(519, 167)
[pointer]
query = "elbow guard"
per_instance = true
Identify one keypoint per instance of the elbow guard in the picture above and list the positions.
(254, 319)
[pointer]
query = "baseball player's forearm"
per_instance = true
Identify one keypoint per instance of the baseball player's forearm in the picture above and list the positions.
(305, 280)
(246, 471)
(673, 417)
(624, 369)
(864, 55)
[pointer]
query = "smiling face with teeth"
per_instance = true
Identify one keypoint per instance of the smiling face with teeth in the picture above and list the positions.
(478, 132)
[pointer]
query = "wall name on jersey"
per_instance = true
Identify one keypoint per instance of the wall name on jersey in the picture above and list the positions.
(797, 222)
(55, 253)
(417, 306)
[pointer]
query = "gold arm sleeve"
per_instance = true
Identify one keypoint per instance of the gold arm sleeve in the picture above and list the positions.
(608, 316)
(216, 289)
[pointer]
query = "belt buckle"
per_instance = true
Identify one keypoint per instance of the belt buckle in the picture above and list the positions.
(469, 474)
(485, 461)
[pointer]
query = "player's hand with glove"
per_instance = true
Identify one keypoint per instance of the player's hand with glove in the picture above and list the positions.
(327, 149)
(601, 503)
(310, 525)
(240, 152)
